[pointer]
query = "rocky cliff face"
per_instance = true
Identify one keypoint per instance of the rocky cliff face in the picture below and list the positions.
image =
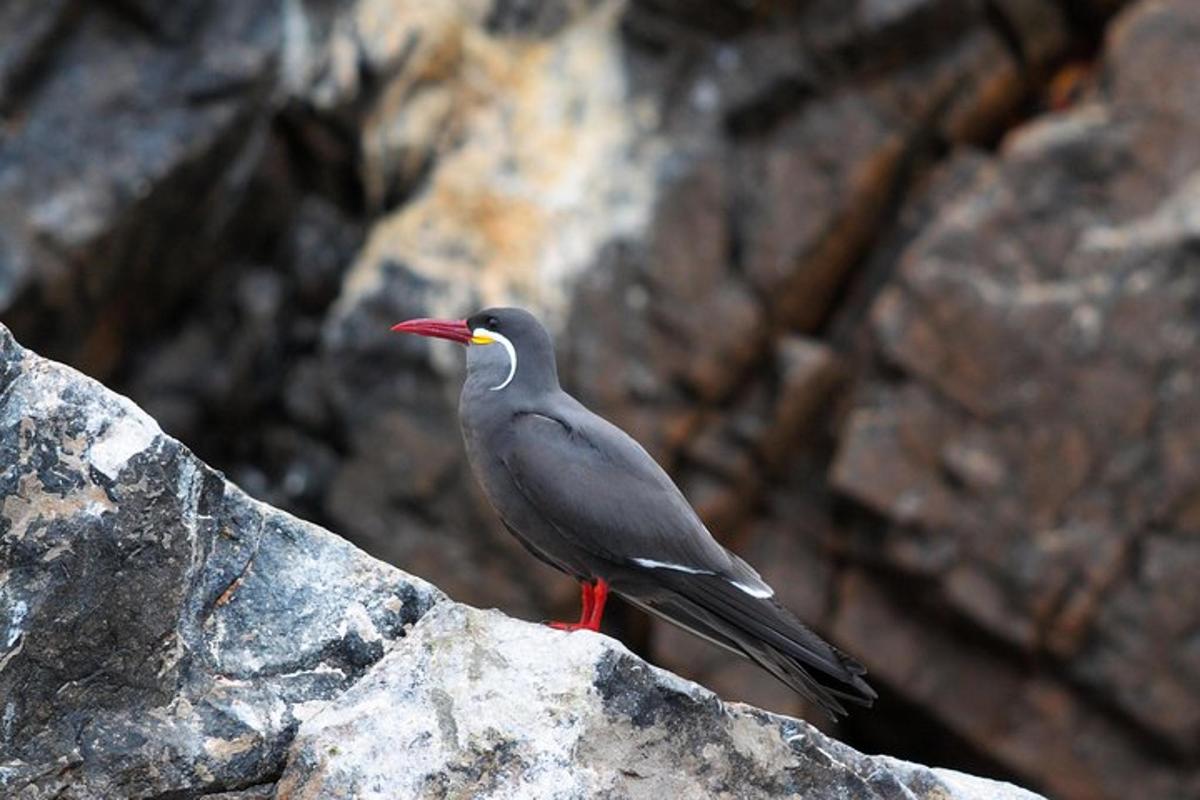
(902, 293)
(163, 635)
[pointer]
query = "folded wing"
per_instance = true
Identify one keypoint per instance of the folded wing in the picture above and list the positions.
(606, 496)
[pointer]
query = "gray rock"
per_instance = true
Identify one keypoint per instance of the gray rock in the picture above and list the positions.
(476, 704)
(159, 630)
(163, 635)
(123, 123)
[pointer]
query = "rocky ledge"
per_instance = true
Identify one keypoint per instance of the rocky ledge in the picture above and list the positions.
(163, 635)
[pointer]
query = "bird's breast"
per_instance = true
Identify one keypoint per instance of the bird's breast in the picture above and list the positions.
(486, 450)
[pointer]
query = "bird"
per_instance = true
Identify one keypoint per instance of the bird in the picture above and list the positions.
(584, 497)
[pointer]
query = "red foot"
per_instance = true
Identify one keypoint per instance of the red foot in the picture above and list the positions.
(569, 626)
(592, 599)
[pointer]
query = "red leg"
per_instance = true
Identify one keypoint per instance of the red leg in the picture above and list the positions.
(599, 596)
(586, 601)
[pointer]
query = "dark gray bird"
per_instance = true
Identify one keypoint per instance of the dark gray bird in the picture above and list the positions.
(586, 498)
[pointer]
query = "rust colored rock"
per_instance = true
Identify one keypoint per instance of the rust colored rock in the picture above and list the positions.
(1034, 724)
(1040, 438)
(810, 195)
(808, 373)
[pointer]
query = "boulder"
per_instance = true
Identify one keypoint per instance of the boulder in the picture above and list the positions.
(122, 123)
(476, 704)
(161, 633)
(164, 635)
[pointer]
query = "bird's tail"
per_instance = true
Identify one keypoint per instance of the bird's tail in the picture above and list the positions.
(762, 630)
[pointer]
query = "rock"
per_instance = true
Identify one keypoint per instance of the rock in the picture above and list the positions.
(112, 144)
(484, 145)
(477, 704)
(541, 157)
(886, 321)
(1026, 442)
(162, 634)
(777, 176)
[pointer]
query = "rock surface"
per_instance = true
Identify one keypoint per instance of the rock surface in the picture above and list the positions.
(166, 636)
(902, 293)
(476, 704)
(160, 631)
(1047, 491)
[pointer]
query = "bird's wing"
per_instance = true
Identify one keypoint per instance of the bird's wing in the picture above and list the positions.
(765, 632)
(790, 657)
(605, 494)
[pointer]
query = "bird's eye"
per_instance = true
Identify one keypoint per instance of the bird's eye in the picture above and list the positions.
(493, 323)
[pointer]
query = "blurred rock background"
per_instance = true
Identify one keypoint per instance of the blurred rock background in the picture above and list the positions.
(905, 293)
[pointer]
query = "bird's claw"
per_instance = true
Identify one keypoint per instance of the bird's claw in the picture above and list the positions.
(570, 626)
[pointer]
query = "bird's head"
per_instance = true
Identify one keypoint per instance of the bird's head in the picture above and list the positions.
(505, 346)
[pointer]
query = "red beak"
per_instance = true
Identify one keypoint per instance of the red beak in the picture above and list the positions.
(454, 330)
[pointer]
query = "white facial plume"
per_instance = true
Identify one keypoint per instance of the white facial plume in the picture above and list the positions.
(500, 339)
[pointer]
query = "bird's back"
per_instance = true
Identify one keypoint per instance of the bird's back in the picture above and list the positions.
(565, 478)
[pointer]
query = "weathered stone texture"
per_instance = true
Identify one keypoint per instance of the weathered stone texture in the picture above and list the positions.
(921, 350)
(477, 704)
(1050, 474)
(162, 632)
(163, 635)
